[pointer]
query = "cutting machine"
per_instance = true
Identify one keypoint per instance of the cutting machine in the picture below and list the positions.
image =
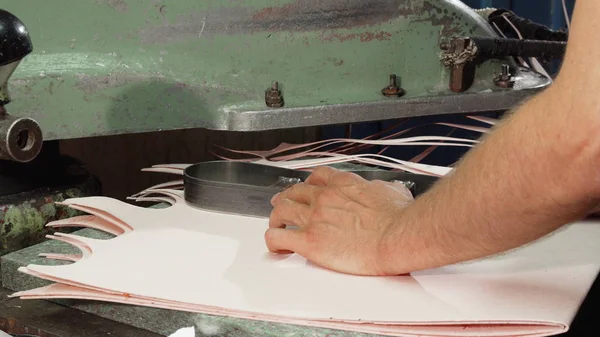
(91, 68)
(21, 138)
(138, 66)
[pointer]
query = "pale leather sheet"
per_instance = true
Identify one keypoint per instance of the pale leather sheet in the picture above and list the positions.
(532, 291)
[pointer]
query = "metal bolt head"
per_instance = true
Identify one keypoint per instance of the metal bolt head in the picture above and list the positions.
(393, 79)
(447, 46)
(393, 89)
(505, 80)
(273, 96)
(505, 70)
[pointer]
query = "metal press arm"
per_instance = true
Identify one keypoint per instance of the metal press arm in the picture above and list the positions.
(20, 138)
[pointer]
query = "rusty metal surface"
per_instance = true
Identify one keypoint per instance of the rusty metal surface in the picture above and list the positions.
(462, 55)
(126, 66)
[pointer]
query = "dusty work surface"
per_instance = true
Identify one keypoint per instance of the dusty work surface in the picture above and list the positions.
(159, 321)
(46, 319)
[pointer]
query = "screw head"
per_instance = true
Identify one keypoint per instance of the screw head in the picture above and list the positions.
(273, 96)
(446, 46)
(392, 89)
(504, 80)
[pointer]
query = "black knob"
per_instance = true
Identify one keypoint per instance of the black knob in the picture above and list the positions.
(15, 42)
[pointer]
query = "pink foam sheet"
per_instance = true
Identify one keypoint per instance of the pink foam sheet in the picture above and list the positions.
(223, 268)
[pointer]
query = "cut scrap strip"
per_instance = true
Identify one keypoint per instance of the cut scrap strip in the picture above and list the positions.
(62, 257)
(91, 221)
(174, 184)
(84, 247)
(486, 120)
(409, 141)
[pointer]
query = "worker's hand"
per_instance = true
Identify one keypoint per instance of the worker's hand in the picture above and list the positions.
(341, 220)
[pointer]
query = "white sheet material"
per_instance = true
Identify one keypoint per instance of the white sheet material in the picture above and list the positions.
(532, 291)
(185, 332)
(374, 159)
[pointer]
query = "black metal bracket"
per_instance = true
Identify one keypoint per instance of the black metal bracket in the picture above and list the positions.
(462, 55)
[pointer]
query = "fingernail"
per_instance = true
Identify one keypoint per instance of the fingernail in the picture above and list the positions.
(274, 198)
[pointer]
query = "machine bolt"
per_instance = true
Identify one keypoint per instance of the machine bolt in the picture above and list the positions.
(505, 79)
(273, 96)
(505, 71)
(393, 89)
(447, 46)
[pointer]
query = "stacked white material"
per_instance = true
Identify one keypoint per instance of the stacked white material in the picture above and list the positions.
(532, 291)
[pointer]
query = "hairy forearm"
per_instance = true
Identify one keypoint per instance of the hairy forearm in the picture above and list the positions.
(534, 173)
